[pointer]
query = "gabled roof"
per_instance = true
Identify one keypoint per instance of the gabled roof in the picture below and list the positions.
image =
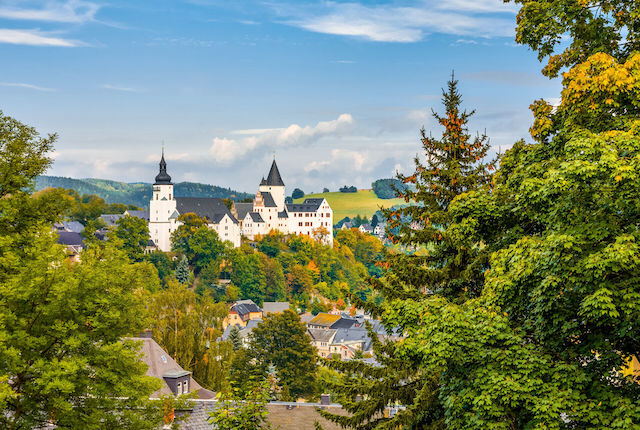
(309, 205)
(366, 227)
(70, 238)
(321, 335)
(111, 219)
(74, 226)
(139, 214)
(344, 323)
(324, 319)
(283, 214)
(160, 364)
(243, 209)
(268, 200)
(255, 217)
(274, 178)
(212, 209)
(244, 307)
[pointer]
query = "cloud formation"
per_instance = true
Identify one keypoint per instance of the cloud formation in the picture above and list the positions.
(23, 85)
(35, 38)
(71, 11)
(225, 150)
(396, 23)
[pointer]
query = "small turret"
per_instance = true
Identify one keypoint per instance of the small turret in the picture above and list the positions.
(163, 177)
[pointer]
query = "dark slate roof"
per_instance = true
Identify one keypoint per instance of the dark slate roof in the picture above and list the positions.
(352, 334)
(243, 209)
(321, 334)
(243, 307)
(283, 214)
(139, 214)
(212, 209)
(263, 182)
(111, 219)
(74, 226)
(274, 177)
(255, 216)
(344, 323)
(309, 205)
(163, 178)
(268, 200)
(70, 238)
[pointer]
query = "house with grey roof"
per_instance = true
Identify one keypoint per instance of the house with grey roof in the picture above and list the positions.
(366, 228)
(176, 380)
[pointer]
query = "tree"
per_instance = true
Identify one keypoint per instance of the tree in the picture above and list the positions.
(374, 221)
(197, 241)
(134, 236)
(453, 268)
(587, 26)
(386, 188)
(297, 193)
(248, 274)
(182, 272)
(325, 190)
(237, 412)
(162, 263)
(281, 340)
(62, 324)
(187, 327)
(234, 337)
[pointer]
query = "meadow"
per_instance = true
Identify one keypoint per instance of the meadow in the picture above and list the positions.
(364, 203)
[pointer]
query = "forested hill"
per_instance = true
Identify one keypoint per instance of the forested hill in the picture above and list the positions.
(137, 193)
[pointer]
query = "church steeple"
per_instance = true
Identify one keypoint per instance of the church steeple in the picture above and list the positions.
(163, 177)
(274, 178)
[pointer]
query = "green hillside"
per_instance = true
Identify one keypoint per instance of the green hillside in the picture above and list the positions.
(138, 193)
(364, 203)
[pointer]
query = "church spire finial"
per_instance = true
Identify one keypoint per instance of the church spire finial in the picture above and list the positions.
(163, 177)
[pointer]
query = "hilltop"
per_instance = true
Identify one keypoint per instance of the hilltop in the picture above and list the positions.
(363, 202)
(136, 193)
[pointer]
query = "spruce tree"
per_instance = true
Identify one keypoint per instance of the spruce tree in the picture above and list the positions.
(182, 272)
(452, 267)
(234, 337)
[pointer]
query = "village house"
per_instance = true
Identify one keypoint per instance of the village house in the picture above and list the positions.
(176, 380)
(241, 312)
(327, 321)
(274, 308)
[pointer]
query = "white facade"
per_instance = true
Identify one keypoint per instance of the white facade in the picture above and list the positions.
(228, 230)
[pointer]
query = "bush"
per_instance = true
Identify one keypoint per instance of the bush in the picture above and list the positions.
(346, 189)
(297, 193)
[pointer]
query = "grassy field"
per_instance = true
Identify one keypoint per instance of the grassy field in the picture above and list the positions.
(364, 203)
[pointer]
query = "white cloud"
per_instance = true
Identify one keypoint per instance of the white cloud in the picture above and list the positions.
(72, 11)
(35, 38)
(121, 88)
(226, 150)
(23, 85)
(390, 23)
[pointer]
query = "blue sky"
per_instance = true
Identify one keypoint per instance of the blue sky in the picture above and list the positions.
(337, 89)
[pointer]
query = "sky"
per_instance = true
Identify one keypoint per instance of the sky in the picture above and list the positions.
(337, 91)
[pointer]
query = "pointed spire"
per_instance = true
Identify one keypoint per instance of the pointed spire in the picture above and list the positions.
(274, 177)
(263, 182)
(163, 178)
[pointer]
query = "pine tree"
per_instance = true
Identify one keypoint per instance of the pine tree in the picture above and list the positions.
(182, 272)
(453, 164)
(234, 337)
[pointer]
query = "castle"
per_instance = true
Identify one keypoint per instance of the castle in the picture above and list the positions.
(268, 212)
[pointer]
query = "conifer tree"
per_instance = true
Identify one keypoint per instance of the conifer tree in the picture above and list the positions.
(452, 165)
(234, 337)
(182, 271)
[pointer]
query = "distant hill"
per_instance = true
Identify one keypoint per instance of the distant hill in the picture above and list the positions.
(364, 203)
(137, 193)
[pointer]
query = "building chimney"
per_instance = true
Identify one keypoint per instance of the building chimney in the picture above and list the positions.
(325, 399)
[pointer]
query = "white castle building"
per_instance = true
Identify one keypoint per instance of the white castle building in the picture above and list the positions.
(268, 212)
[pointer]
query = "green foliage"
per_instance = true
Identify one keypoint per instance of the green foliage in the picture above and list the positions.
(62, 324)
(134, 236)
(281, 340)
(297, 194)
(197, 242)
(568, 32)
(347, 189)
(162, 263)
(238, 412)
(387, 188)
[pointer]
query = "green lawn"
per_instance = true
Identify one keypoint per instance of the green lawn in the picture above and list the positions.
(364, 203)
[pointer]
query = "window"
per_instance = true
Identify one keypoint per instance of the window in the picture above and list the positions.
(186, 387)
(179, 389)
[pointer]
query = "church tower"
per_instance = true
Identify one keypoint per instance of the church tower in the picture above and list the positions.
(161, 209)
(274, 185)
